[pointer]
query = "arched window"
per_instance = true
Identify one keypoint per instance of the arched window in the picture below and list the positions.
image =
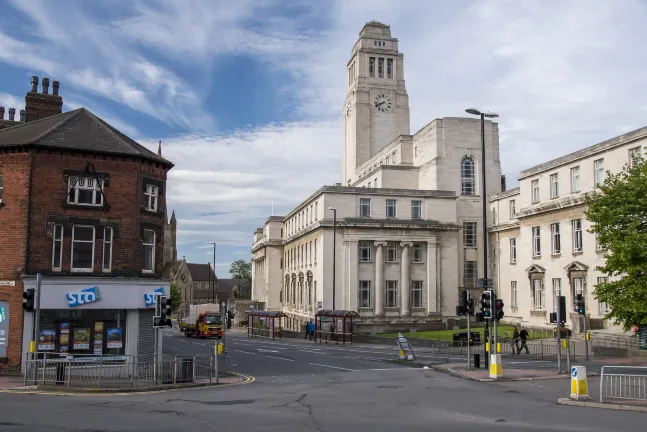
(468, 177)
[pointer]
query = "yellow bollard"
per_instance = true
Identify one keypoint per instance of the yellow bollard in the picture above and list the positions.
(579, 389)
(563, 343)
(220, 348)
(32, 346)
(498, 348)
(495, 366)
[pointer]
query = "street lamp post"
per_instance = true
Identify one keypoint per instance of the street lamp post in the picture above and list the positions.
(213, 291)
(334, 252)
(483, 115)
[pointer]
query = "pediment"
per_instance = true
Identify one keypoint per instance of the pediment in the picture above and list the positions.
(535, 269)
(576, 266)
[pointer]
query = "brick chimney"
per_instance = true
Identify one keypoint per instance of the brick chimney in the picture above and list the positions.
(12, 114)
(1, 112)
(41, 105)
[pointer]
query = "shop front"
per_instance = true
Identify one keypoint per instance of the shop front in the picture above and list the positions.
(95, 317)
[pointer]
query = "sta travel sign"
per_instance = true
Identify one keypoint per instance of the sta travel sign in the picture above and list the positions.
(149, 299)
(85, 296)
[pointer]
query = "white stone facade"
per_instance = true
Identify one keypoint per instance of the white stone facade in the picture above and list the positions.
(540, 239)
(409, 213)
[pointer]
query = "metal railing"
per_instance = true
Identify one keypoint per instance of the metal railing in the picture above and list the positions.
(536, 348)
(617, 342)
(105, 372)
(626, 386)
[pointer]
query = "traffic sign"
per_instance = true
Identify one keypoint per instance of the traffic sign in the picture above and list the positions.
(574, 372)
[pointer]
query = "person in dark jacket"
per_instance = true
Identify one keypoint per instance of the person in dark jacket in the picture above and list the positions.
(515, 341)
(523, 335)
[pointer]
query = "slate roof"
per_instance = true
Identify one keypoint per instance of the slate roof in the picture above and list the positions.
(225, 288)
(78, 129)
(200, 272)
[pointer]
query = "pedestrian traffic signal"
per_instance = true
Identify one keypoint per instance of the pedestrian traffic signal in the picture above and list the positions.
(28, 300)
(498, 309)
(163, 306)
(486, 304)
(579, 305)
(470, 306)
(461, 309)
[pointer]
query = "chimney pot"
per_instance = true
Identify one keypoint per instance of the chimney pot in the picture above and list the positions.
(1, 112)
(34, 84)
(23, 116)
(45, 85)
(12, 114)
(55, 86)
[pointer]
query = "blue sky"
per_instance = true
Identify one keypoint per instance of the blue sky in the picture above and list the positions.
(247, 95)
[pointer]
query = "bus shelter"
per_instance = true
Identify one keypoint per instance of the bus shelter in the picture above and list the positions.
(335, 326)
(265, 324)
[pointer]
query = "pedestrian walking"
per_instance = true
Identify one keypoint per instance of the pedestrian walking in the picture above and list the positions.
(524, 338)
(515, 341)
(310, 329)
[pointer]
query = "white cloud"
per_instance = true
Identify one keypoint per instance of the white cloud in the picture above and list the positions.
(10, 101)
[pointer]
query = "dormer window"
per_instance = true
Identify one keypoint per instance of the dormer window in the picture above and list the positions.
(151, 193)
(85, 191)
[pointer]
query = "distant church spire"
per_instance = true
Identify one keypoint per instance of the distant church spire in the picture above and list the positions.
(159, 149)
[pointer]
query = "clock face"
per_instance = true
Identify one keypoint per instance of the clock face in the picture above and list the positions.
(382, 103)
(349, 109)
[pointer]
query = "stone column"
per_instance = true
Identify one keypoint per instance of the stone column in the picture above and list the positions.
(379, 278)
(434, 297)
(405, 292)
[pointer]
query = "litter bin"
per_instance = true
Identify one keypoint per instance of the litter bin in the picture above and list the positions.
(477, 360)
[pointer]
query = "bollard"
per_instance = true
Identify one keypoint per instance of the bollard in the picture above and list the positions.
(579, 389)
(495, 366)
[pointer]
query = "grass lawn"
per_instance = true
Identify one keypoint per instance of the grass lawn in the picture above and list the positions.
(447, 335)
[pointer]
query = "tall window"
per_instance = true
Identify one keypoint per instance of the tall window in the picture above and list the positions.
(57, 247)
(578, 286)
(513, 250)
(557, 291)
(513, 208)
(371, 67)
(634, 154)
(575, 179)
(315, 251)
(417, 253)
(577, 235)
(316, 210)
(390, 208)
(389, 68)
(555, 239)
(469, 234)
(391, 293)
(598, 171)
(598, 246)
(538, 294)
(82, 248)
(149, 251)
(365, 294)
(391, 253)
(151, 197)
(554, 186)
(416, 294)
(536, 241)
(365, 207)
(603, 306)
(107, 249)
(380, 67)
(416, 209)
(514, 299)
(85, 191)
(534, 189)
(468, 177)
(365, 252)
(470, 273)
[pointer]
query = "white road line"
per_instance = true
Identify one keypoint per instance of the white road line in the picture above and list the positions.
(333, 367)
(244, 352)
(196, 343)
(279, 358)
(264, 350)
(315, 352)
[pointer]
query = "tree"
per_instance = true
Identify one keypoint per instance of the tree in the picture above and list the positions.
(176, 296)
(241, 269)
(618, 213)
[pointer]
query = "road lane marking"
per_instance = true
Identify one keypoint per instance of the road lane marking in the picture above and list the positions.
(265, 350)
(333, 367)
(244, 352)
(279, 358)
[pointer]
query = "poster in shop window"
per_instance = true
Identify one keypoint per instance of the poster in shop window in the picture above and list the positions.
(98, 337)
(115, 337)
(4, 328)
(64, 337)
(81, 338)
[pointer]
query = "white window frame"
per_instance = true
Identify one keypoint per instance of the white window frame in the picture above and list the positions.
(514, 294)
(538, 294)
(513, 208)
(149, 245)
(391, 287)
(555, 239)
(417, 250)
(152, 197)
(365, 246)
(82, 270)
(470, 274)
(108, 233)
(534, 191)
(364, 207)
(56, 239)
(416, 209)
(576, 226)
(391, 255)
(554, 186)
(557, 291)
(365, 287)
(598, 171)
(603, 307)
(598, 246)
(536, 241)
(83, 184)
(470, 235)
(391, 208)
(578, 286)
(468, 176)
(575, 179)
(634, 153)
(513, 250)
(417, 291)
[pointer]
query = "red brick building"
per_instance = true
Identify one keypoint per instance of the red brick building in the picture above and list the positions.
(83, 205)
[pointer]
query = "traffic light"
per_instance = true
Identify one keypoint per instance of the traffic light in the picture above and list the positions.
(498, 309)
(162, 316)
(486, 304)
(470, 306)
(579, 305)
(461, 309)
(28, 300)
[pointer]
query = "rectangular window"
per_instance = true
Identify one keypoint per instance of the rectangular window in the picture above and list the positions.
(389, 68)
(536, 241)
(149, 251)
(391, 293)
(315, 251)
(390, 208)
(417, 253)
(514, 299)
(82, 248)
(575, 179)
(391, 253)
(416, 209)
(557, 291)
(85, 191)
(380, 67)
(513, 209)
(371, 67)
(469, 234)
(603, 306)
(577, 235)
(538, 294)
(107, 249)
(57, 247)
(598, 171)
(416, 294)
(578, 287)
(364, 207)
(310, 252)
(470, 273)
(534, 186)
(513, 250)
(281, 263)
(365, 252)
(554, 186)
(634, 154)
(555, 239)
(316, 211)
(598, 246)
(365, 294)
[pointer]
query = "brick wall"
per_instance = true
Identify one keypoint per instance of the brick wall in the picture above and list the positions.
(125, 196)
(14, 167)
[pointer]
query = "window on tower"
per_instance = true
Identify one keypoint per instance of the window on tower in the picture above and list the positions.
(380, 68)
(371, 67)
(389, 68)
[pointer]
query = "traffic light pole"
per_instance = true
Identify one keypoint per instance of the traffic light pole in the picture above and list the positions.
(559, 339)
(586, 339)
(494, 320)
(469, 354)
(37, 316)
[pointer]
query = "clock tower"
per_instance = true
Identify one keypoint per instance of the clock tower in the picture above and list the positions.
(376, 109)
